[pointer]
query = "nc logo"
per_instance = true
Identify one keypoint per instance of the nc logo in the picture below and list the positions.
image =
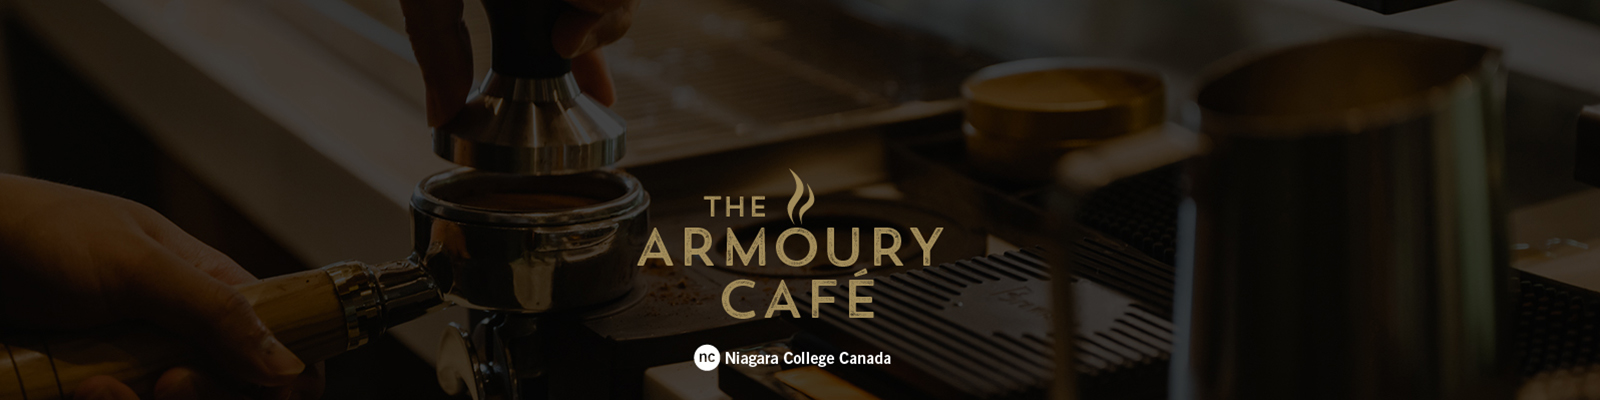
(706, 357)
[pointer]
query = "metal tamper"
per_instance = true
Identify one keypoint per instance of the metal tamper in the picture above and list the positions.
(529, 117)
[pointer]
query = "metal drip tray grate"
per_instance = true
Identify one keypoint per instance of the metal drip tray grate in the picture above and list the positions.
(980, 328)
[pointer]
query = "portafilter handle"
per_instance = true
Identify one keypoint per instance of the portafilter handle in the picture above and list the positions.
(317, 314)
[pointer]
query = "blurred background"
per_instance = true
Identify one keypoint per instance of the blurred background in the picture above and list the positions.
(290, 133)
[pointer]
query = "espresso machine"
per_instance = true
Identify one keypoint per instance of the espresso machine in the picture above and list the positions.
(537, 236)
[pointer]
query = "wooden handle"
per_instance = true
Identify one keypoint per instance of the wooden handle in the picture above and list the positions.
(302, 310)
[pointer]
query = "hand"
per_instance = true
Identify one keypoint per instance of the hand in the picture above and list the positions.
(95, 259)
(439, 41)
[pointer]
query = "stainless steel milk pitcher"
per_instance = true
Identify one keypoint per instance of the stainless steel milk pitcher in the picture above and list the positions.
(1348, 233)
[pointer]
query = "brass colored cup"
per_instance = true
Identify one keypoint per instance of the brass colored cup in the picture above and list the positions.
(1022, 116)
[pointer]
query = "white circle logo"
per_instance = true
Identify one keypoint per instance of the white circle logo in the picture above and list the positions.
(706, 357)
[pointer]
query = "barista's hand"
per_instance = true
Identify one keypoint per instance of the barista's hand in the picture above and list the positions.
(439, 41)
(73, 258)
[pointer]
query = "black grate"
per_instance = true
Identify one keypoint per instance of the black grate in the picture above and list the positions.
(1556, 326)
(1141, 210)
(980, 328)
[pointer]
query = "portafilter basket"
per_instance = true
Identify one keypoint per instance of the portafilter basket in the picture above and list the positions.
(530, 244)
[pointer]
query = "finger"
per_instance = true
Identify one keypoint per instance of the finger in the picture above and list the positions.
(440, 42)
(103, 388)
(594, 77)
(184, 383)
(578, 31)
(197, 253)
(571, 34)
(165, 289)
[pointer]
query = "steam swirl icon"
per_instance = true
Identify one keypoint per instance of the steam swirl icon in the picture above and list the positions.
(800, 188)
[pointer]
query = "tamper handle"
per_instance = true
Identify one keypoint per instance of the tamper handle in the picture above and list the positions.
(317, 314)
(522, 41)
